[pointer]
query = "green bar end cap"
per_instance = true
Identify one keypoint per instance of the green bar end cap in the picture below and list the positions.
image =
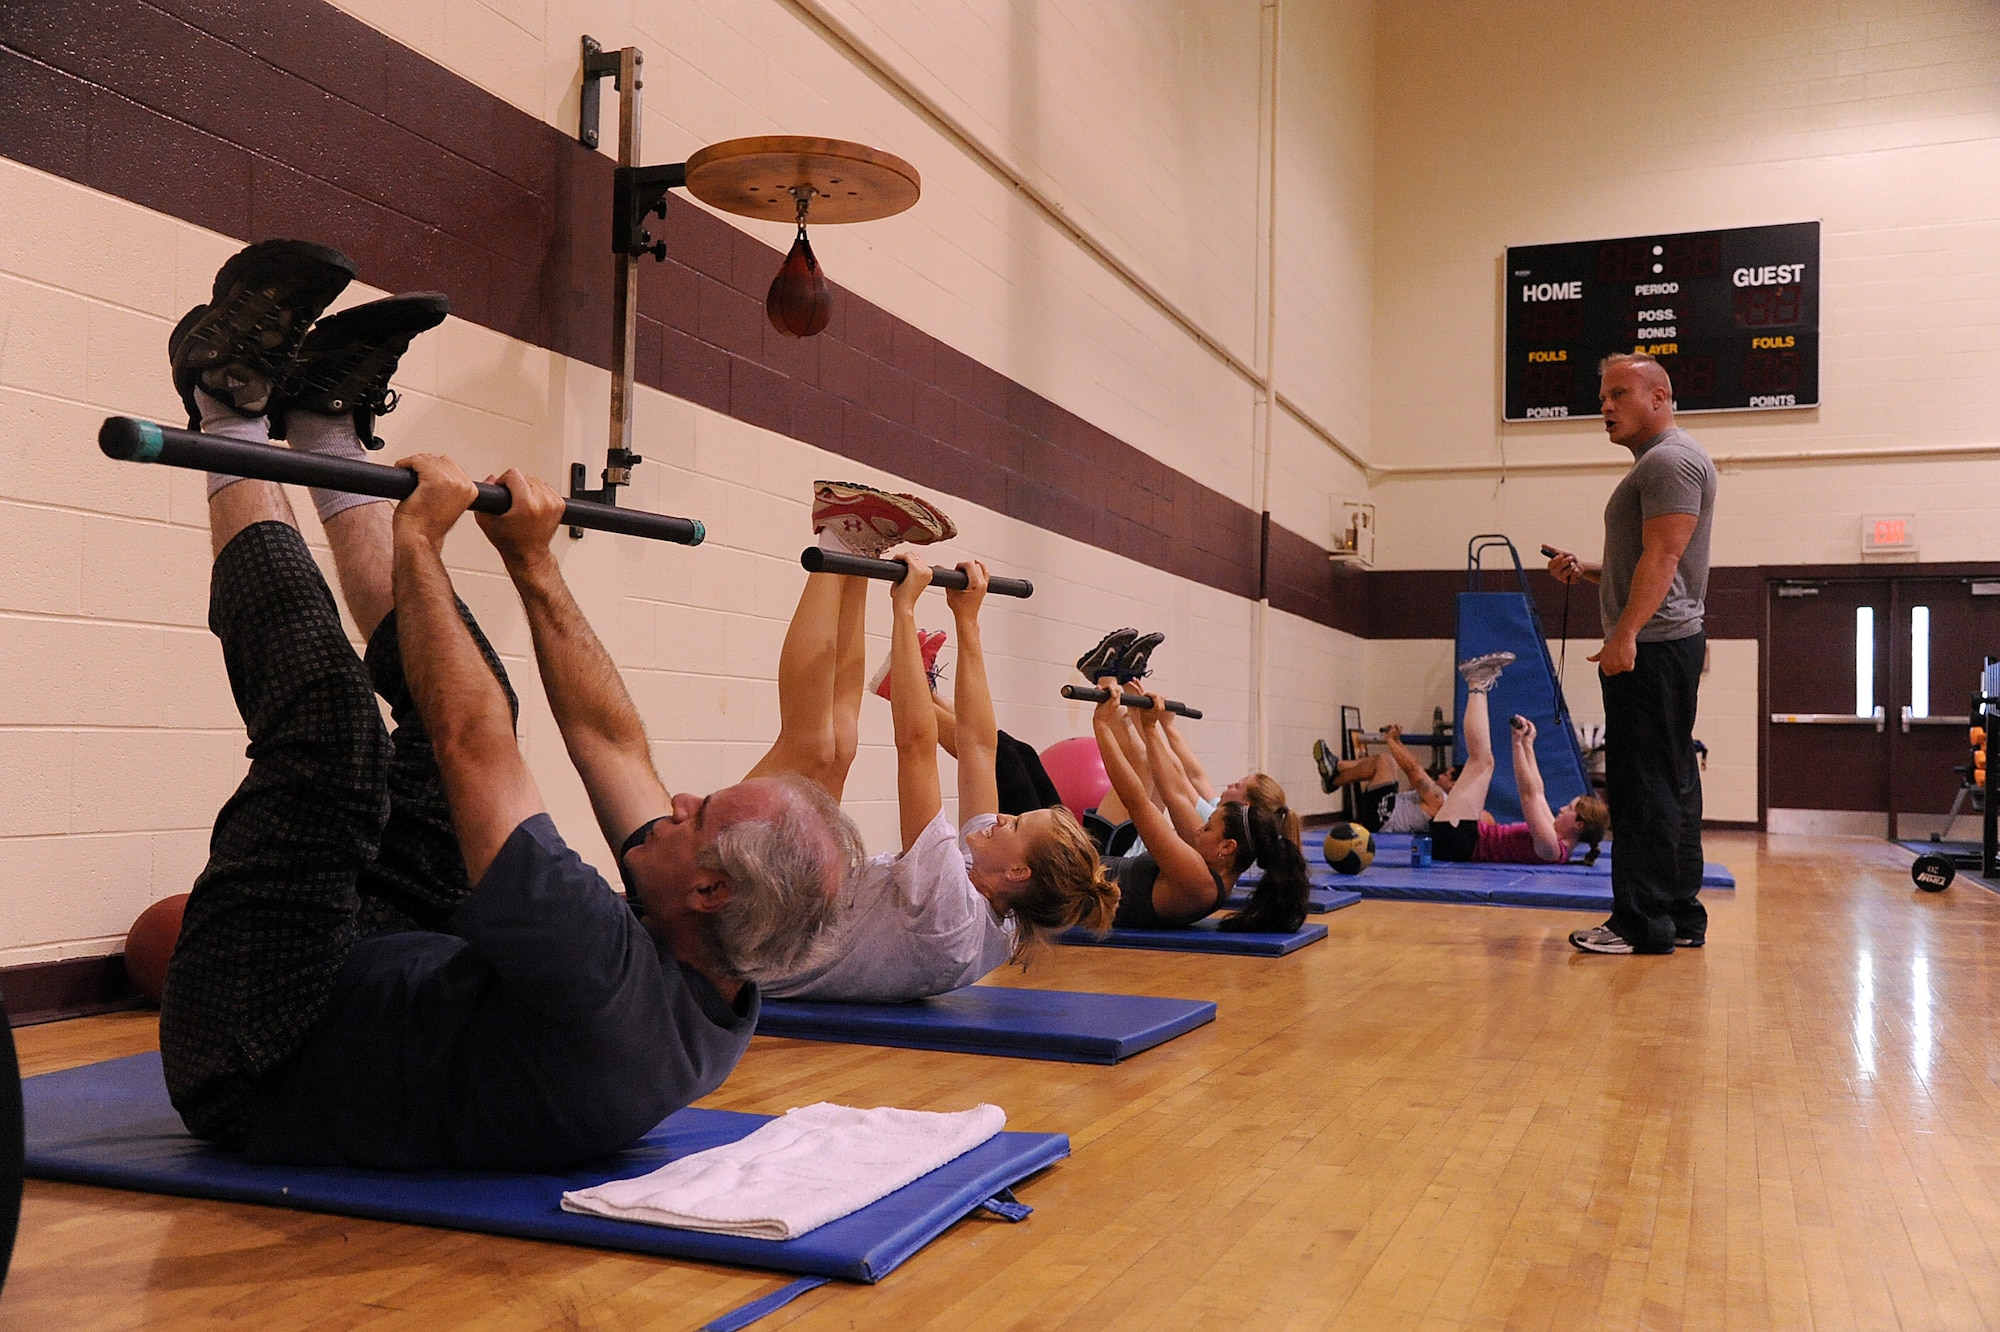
(151, 441)
(700, 532)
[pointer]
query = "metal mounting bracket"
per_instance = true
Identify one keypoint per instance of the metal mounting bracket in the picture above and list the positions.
(598, 64)
(637, 191)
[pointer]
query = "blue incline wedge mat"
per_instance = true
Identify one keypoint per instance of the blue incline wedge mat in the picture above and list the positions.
(110, 1124)
(1506, 622)
(1392, 851)
(1202, 937)
(995, 1020)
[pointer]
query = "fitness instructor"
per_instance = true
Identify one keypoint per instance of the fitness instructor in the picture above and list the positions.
(1651, 586)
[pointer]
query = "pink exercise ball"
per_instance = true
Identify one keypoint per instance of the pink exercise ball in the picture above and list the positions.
(1077, 769)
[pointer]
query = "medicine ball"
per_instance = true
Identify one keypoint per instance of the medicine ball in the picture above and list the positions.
(1933, 873)
(1350, 848)
(150, 944)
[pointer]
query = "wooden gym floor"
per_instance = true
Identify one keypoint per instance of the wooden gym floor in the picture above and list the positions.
(1441, 1117)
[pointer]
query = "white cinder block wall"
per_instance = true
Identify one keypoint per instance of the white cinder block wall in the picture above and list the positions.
(1357, 271)
(1527, 123)
(1148, 128)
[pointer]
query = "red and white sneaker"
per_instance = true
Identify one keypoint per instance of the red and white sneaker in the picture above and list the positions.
(929, 642)
(869, 521)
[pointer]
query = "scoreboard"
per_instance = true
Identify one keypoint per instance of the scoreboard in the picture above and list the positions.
(1732, 315)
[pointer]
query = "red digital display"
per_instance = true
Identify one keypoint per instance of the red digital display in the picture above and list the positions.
(1693, 376)
(1771, 372)
(1546, 383)
(1695, 256)
(1557, 321)
(1768, 307)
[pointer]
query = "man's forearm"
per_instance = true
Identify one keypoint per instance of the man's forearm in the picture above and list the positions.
(1407, 761)
(586, 693)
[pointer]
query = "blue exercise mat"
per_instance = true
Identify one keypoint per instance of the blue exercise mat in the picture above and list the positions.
(1392, 850)
(1203, 937)
(1324, 897)
(1526, 887)
(111, 1125)
(995, 1020)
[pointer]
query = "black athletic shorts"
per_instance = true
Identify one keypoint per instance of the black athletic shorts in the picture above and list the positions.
(1454, 841)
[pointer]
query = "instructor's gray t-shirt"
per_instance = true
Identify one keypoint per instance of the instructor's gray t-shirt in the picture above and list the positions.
(1671, 474)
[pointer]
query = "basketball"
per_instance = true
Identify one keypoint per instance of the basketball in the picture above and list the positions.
(150, 942)
(1350, 848)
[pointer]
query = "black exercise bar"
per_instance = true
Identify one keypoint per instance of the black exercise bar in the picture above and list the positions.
(1089, 694)
(130, 439)
(818, 560)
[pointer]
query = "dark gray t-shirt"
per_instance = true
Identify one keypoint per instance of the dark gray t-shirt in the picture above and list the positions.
(1671, 474)
(548, 1027)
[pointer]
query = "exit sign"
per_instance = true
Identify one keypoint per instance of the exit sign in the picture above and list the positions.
(1890, 534)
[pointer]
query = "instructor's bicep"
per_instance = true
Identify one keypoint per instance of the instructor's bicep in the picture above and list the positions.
(1668, 534)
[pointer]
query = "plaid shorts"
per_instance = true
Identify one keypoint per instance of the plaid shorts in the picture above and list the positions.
(338, 830)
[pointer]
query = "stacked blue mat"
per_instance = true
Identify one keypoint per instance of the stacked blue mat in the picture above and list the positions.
(1204, 937)
(997, 1020)
(111, 1125)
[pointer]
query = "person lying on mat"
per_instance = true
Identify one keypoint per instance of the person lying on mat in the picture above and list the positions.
(1462, 831)
(1385, 804)
(1195, 862)
(391, 959)
(955, 903)
(1124, 655)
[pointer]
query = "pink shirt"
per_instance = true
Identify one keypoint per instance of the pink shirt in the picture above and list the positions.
(1512, 844)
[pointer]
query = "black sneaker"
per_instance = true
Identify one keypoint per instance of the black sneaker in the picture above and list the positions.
(345, 362)
(1131, 666)
(1689, 941)
(239, 347)
(1102, 660)
(1600, 939)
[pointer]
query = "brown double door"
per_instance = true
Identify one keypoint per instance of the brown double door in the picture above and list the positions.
(1868, 681)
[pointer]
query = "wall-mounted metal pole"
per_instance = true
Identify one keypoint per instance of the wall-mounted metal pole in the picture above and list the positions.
(625, 287)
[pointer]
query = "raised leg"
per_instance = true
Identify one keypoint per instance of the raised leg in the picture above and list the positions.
(272, 917)
(817, 718)
(1467, 797)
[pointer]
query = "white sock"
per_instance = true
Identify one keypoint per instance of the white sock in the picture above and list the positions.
(219, 418)
(330, 437)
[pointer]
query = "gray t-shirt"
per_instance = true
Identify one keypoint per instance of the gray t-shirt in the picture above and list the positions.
(1671, 474)
(912, 925)
(1406, 813)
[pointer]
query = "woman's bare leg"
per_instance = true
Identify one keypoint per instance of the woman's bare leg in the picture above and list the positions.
(850, 680)
(1467, 797)
(810, 670)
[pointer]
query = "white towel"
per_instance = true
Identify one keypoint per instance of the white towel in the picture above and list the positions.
(803, 1169)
